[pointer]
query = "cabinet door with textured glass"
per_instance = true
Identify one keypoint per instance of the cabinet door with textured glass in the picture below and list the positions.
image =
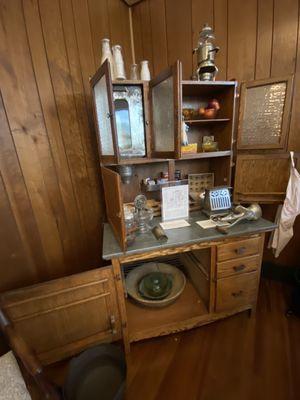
(264, 115)
(104, 115)
(165, 100)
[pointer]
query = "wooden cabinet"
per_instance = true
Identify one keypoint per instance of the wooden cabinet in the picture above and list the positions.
(62, 317)
(162, 101)
(262, 162)
(236, 291)
(238, 248)
(158, 119)
(238, 273)
(262, 177)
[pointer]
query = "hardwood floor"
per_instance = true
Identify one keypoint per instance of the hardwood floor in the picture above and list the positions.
(239, 358)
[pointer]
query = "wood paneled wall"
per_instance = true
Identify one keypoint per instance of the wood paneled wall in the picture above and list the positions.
(257, 38)
(51, 206)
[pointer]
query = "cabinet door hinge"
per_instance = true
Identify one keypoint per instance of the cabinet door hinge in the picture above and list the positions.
(117, 277)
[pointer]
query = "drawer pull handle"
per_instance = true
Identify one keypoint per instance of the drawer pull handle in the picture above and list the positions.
(112, 321)
(237, 294)
(238, 268)
(240, 250)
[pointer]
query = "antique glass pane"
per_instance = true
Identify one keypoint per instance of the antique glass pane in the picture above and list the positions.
(262, 121)
(129, 111)
(103, 120)
(163, 115)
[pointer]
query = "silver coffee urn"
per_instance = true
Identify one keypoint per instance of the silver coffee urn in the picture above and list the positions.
(206, 51)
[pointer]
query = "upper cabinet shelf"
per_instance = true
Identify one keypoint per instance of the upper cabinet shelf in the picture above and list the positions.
(208, 154)
(141, 122)
(206, 121)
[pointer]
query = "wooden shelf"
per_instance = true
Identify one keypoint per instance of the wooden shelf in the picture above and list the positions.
(206, 121)
(144, 322)
(130, 161)
(208, 154)
(157, 186)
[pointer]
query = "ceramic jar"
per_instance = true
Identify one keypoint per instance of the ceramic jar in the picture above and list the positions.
(107, 55)
(119, 67)
(145, 72)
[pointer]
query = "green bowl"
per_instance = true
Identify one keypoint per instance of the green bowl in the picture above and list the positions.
(155, 285)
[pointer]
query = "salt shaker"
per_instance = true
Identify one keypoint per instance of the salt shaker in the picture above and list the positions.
(107, 55)
(134, 72)
(119, 68)
(145, 72)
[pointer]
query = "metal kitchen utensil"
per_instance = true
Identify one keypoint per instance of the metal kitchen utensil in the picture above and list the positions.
(251, 213)
(206, 51)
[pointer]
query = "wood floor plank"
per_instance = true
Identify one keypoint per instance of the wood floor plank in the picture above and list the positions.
(239, 358)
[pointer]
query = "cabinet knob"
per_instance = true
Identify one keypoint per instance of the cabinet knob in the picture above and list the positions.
(108, 115)
(240, 250)
(112, 321)
(238, 268)
(237, 294)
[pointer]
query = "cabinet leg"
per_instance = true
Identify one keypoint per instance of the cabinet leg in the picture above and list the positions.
(121, 303)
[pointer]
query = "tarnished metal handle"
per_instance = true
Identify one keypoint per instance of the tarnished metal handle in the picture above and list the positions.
(240, 250)
(237, 294)
(113, 324)
(238, 268)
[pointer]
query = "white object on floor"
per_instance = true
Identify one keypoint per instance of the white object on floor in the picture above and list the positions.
(180, 223)
(12, 385)
(206, 224)
(289, 212)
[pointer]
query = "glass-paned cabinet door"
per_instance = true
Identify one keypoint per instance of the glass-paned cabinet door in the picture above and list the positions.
(104, 114)
(264, 114)
(165, 98)
(130, 121)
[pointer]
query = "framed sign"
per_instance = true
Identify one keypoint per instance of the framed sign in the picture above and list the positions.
(174, 202)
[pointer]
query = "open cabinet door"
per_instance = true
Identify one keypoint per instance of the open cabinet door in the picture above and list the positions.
(114, 204)
(261, 178)
(165, 100)
(264, 114)
(104, 115)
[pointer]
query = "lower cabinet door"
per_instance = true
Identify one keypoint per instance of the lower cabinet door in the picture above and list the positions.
(62, 317)
(236, 292)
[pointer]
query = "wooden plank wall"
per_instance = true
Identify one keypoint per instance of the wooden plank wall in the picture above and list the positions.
(51, 205)
(257, 38)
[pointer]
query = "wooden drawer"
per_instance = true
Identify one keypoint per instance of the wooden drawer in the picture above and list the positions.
(236, 291)
(237, 266)
(240, 248)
